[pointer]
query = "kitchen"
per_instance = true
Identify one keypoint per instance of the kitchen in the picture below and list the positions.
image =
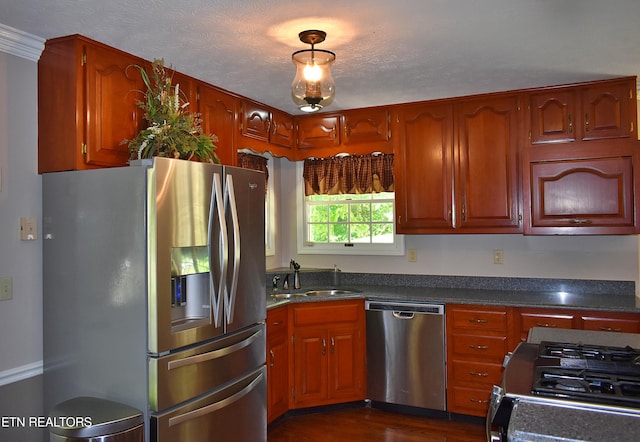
(600, 257)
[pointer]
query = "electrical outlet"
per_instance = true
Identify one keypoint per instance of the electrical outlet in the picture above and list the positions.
(498, 256)
(6, 288)
(412, 255)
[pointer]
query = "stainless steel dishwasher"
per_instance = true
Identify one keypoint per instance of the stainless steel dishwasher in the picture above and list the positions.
(406, 354)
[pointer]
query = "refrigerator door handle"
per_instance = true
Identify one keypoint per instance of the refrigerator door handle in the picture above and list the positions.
(231, 205)
(223, 249)
(215, 353)
(176, 420)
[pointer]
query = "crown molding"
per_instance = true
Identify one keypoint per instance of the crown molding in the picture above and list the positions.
(16, 42)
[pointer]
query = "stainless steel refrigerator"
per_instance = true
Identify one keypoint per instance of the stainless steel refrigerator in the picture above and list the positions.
(154, 295)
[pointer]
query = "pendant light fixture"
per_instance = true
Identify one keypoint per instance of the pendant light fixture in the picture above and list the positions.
(313, 87)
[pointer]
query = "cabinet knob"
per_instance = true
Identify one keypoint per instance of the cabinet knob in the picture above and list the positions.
(570, 124)
(586, 122)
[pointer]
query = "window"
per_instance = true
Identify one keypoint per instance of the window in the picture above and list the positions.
(349, 224)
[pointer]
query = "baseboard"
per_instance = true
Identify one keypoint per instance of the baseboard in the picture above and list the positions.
(20, 373)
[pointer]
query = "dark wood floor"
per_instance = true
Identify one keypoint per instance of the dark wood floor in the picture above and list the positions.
(372, 425)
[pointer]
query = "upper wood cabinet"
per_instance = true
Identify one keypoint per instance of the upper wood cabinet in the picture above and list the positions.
(86, 105)
(457, 166)
(355, 132)
(596, 111)
(266, 130)
(219, 111)
(366, 126)
(579, 196)
(318, 132)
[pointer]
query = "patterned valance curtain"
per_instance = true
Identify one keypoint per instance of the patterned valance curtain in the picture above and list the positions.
(349, 174)
(255, 162)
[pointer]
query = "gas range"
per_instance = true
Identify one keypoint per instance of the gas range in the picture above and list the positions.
(545, 384)
(598, 374)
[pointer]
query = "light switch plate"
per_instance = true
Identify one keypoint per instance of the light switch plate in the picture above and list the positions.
(6, 288)
(28, 228)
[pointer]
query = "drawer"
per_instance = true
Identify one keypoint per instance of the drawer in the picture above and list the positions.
(321, 313)
(478, 319)
(276, 320)
(530, 320)
(492, 348)
(476, 372)
(623, 325)
(466, 400)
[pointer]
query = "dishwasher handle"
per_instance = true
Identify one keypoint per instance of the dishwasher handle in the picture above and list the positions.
(405, 309)
(403, 315)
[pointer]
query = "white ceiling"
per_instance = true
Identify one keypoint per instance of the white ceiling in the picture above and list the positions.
(388, 51)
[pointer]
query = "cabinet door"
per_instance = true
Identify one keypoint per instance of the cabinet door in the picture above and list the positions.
(311, 367)
(256, 121)
(366, 126)
(346, 363)
(218, 111)
(282, 130)
(277, 379)
(487, 178)
(607, 111)
(553, 116)
(111, 112)
(424, 168)
(594, 195)
(317, 132)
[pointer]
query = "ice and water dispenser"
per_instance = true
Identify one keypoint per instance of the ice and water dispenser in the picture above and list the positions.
(190, 287)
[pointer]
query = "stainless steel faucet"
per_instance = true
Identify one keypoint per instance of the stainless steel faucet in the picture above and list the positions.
(296, 273)
(274, 281)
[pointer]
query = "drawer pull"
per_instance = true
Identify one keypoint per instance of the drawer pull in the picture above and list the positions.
(475, 373)
(275, 324)
(478, 321)
(273, 358)
(478, 347)
(539, 324)
(479, 401)
(617, 329)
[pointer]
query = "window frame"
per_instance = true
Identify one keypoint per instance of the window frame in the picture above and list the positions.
(304, 247)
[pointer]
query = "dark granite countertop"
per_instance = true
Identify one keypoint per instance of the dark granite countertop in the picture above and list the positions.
(613, 296)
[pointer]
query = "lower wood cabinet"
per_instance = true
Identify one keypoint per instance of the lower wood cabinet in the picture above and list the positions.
(328, 353)
(476, 346)
(277, 363)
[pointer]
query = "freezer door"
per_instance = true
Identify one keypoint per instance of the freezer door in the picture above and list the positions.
(244, 214)
(235, 412)
(181, 376)
(184, 306)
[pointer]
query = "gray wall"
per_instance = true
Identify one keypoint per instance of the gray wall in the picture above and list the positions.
(20, 196)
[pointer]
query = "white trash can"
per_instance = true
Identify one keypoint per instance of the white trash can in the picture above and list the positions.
(90, 419)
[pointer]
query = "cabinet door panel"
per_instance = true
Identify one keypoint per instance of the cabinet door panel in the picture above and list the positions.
(591, 193)
(218, 111)
(487, 175)
(318, 132)
(491, 348)
(311, 368)
(282, 130)
(277, 379)
(346, 363)
(423, 168)
(111, 111)
(366, 126)
(553, 117)
(624, 325)
(606, 111)
(256, 121)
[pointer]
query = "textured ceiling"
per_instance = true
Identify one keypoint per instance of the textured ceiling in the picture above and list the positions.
(387, 51)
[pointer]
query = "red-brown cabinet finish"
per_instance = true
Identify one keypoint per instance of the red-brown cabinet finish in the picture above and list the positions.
(219, 110)
(266, 130)
(598, 111)
(572, 196)
(87, 95)
(277, 362)
(456, 167)
(329, 353)
(316, 133)
(367, 126)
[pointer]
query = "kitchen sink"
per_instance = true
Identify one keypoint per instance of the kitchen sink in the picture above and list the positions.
(330, 292)
(287, 295)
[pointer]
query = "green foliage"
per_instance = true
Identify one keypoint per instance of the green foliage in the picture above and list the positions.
(173, 131)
